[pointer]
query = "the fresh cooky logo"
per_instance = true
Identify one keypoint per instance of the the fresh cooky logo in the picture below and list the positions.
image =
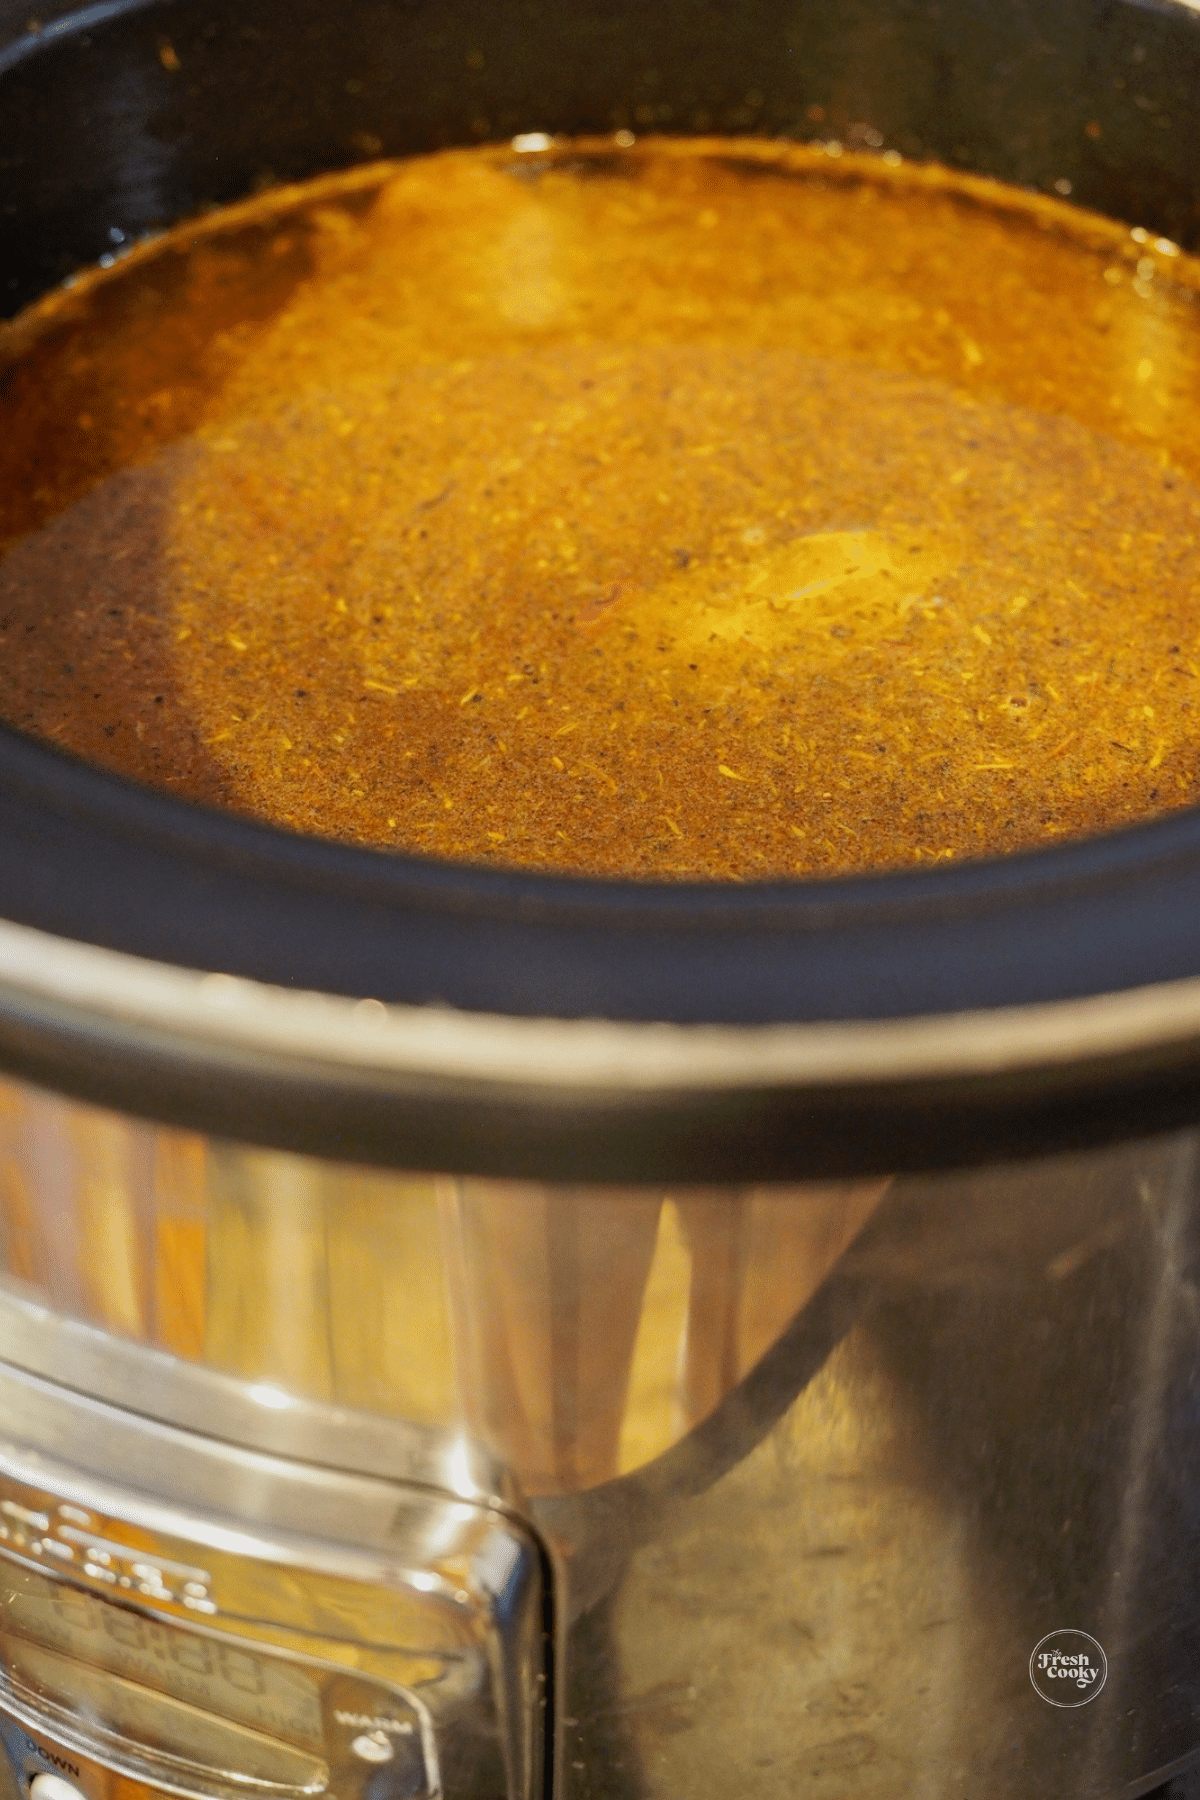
(1068, 1668)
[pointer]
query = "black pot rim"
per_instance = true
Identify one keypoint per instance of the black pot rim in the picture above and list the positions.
(206, 970)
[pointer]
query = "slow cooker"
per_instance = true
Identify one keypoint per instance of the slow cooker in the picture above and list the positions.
(499, 1336)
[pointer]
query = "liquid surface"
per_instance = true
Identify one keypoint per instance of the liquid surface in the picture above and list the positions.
(685, 510)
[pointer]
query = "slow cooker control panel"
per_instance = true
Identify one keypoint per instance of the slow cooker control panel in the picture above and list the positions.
(316, 1634)
(204, 1709)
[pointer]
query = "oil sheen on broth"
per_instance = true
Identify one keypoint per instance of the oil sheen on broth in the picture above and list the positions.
(684, 510)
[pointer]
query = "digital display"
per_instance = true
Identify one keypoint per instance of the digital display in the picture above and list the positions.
(145, 1720)
(230, 1681)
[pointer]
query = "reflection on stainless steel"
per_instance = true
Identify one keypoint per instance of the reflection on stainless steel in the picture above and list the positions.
(105, 1216)
(594, 1327)
(577, 1333)
(813, 1467)
(1000, 1445)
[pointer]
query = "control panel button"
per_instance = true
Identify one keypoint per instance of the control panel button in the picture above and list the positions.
(372, 1746)
(53, 1787)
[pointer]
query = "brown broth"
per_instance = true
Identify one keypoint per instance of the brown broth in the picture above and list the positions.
(691, 509)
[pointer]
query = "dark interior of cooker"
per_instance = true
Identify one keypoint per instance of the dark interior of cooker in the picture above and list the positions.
(124, 117)
(103, 130)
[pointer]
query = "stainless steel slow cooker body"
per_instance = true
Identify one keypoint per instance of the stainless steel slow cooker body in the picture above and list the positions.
(507, 1336)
